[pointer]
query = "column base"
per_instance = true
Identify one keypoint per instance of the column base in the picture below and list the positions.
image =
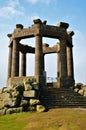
(41, 80)
(67, 82)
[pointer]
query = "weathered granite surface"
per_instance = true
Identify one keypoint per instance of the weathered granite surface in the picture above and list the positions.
(22, 97)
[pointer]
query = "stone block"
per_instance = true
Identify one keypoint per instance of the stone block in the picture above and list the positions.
(2, 112)
(14, 110)
(31, 108)
(40, 108)
(84, 93)
(1, 91)
(83, 87)
(15, 94)
(10, 104)
(5, 96)
(27, 87)
(81, 91)
(30, 94)
(24, 103)
(34, 102)
(1, 104)
(76, 90)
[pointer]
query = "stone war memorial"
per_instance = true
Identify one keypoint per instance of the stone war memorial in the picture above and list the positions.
(34, 93)
(63, 49)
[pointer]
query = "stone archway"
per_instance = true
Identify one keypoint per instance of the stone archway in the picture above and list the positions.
(39, 30)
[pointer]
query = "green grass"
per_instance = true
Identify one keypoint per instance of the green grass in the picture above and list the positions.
(9, 122)
(54, 119)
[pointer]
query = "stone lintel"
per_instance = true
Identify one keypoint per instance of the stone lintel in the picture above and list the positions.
(44, 30)
(45, 45)
(63, 25)
(48, 50)
(26, 48)
(71, 33)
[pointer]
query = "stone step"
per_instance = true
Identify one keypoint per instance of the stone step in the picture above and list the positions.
(54, 97)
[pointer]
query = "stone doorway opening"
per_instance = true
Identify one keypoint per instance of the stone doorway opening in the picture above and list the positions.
(30, 57)
(51, 67)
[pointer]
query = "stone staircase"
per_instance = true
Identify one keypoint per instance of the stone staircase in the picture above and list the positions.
(61, 98)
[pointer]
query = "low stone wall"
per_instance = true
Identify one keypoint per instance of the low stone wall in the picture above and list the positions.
(21, 97)
(18, 80)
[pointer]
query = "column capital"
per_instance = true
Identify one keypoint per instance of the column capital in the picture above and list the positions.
(19, 26)
(9, 35)
(71, 33)
(38, 34)
(37, 21)
(16, 39)
(63, 25)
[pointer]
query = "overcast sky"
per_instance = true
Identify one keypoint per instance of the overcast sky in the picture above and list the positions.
(13, 12)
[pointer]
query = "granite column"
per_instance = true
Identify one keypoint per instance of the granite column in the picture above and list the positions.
(23, 64)
(38, 56)
(70, 62)
(15, 58)
(9, 61)
(63, 57)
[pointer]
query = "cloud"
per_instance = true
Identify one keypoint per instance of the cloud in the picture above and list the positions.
(36, 1)
(12, 9)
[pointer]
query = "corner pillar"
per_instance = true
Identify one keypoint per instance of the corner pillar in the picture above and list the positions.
(63, 63)
(15, 58)
(9, 61)
(70, 61)
(58, 61)
(39, 59)
(70, 69)
(38, 56)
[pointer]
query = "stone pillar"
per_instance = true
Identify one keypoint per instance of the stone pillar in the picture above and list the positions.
(15, 58)
(43, 60)
(23, 64)
(70, 61)
(58, 61)
(70, 66)
(39, 61)
(58, 65)
(63, 57)
(9, 61)
(38, 56)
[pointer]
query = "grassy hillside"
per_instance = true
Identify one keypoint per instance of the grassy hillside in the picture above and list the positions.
(54, 119)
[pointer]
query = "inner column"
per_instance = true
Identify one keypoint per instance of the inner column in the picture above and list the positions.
(23, 64)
